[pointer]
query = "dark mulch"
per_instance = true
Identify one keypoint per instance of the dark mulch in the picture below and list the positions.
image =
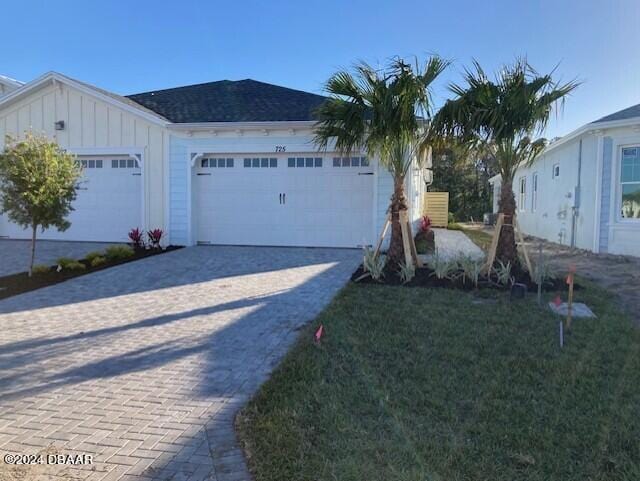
(425, 277)
(20, 283)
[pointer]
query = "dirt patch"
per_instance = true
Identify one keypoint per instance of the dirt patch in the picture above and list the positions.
(620, 275)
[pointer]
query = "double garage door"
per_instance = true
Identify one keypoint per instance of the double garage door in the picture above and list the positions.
(107, 206)
(302, 200)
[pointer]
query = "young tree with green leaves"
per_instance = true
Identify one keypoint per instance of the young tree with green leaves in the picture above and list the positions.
(38, 183)
(503, 116)
(384, 113)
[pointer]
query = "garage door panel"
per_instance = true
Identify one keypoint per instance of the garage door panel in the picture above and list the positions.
(107, 205)
(322, 206)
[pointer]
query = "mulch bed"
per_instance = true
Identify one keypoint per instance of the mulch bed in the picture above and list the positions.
(425, 277)
(20, 283)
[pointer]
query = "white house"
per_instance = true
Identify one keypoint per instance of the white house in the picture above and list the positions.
(228, 162)
(8, 85)
(584, 190)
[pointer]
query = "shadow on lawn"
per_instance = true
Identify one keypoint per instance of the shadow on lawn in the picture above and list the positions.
(184, 358)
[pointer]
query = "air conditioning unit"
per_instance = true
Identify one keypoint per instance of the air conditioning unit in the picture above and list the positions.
(428, 176)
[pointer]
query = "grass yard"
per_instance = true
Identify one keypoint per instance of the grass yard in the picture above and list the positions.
(481, 238)
(438, 384)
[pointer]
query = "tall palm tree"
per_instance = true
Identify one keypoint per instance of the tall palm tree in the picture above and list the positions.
(504, 116)
(384, 113)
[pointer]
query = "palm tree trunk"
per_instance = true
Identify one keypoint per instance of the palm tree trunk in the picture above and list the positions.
(507, 250)
(33, 248)
(395, 254)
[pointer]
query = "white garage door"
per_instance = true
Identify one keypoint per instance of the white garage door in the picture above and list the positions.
(106, 208)
(284, 201)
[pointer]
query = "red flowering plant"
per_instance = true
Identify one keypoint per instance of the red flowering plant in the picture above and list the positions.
(137, 239)
(425, 224)
(425, 238)
(155, 236)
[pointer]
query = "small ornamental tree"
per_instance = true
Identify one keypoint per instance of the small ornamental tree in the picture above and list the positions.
(38, 183)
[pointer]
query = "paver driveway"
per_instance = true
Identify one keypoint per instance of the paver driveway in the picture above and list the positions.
(144, 365)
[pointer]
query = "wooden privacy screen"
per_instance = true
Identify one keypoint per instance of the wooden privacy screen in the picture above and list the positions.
(436, 206)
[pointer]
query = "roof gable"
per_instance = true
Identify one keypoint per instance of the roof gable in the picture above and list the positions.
(624, 114)
(231, 101)
(109, 97)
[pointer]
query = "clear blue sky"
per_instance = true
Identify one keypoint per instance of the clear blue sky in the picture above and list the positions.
(138, 45)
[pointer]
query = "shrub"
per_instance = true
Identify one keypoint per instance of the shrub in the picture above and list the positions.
(118, 253)
(471, 269)
(407, 272)
(68, 264)
(92, 255)
(155, 236)
(98, 261)
(137, 239)
(451, 218)
(373, 264)
(41, 269)
(503, 273)
(443, 269)
(454, 226)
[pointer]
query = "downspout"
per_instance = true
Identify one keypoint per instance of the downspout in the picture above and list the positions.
(576, 199)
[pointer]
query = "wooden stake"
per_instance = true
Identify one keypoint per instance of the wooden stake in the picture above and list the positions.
(387, 223)
(406, 243)
(539, 276)
(491, 257)
(570, 299)
(524, 247)
(412, 244)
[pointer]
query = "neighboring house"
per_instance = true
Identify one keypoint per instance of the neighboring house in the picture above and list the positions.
(584, 190)
(228, 162)
(8, 85)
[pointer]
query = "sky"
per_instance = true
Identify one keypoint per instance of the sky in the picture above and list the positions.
(138, 45)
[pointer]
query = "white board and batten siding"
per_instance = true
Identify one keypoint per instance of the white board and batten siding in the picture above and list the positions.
(309, 201)
(589, 217)
(112, 198)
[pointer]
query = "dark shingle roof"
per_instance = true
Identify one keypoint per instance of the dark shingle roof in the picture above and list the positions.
(231, 101)
(624, 114)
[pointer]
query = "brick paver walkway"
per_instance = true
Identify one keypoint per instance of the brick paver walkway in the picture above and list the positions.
(145, 365)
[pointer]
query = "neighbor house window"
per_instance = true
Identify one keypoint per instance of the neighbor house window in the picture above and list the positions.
(522, 198)
(534, 192)
(556, 171)
(630, 183)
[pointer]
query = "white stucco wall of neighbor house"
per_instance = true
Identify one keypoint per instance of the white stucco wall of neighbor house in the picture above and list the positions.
(240, 141)
(572, 194)
(93, 127)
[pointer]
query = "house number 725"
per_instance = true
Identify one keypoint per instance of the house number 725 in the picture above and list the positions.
(281, 148)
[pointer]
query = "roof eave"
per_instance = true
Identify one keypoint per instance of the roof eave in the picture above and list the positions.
(53, 77)
(272, 124)
(590, 128)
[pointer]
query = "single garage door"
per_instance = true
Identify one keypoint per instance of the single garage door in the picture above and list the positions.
(108, 204)
(306, 200)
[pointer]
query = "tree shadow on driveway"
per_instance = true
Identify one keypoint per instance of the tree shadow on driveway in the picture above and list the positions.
(164, 388)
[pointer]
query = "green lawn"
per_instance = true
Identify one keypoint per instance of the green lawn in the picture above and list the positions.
(480, 238)
(436, 384)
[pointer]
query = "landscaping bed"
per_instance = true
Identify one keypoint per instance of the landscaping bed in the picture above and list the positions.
(417, 384)
(66, 268)
(428, 277)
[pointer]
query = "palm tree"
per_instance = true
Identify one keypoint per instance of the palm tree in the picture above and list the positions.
(383, 113)
(503, 116)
